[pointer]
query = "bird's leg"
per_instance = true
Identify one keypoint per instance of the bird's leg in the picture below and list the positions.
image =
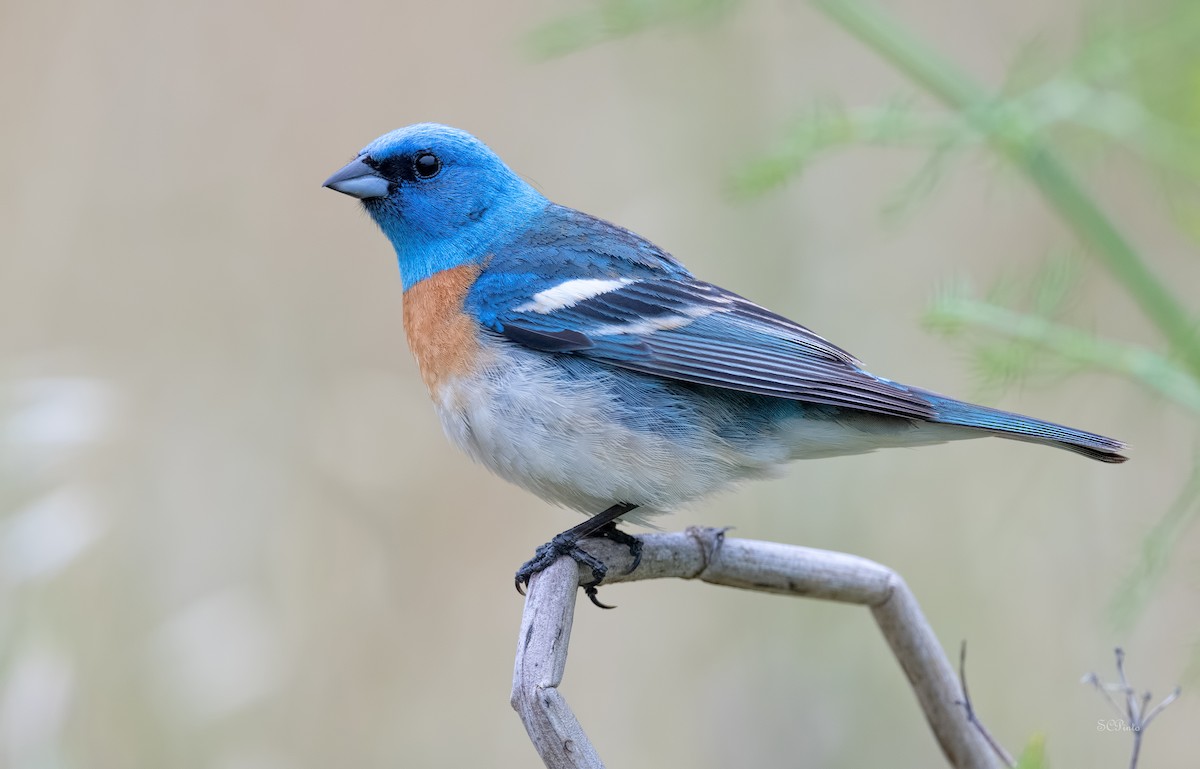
(567, 543)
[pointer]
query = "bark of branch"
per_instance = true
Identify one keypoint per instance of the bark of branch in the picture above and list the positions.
(707, 555)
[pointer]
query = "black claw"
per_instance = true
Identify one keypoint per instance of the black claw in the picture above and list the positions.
(567, 543)
(551, 552)
(592, 592)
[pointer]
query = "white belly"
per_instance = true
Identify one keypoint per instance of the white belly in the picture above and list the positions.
(559, 439)
(600, 438)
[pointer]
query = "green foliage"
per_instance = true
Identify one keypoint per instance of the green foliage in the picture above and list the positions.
(1017, 134)
(612, 19)
(828, 126)
(1033, 756)
(1139, 584)
(956, 314)
(1004, 361)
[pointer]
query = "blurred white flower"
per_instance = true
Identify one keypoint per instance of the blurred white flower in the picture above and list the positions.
(34, 700)
(217, 655)
(47, 418)
(61, 411)
(43, 538)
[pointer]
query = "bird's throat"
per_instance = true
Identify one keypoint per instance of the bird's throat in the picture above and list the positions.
(443, 338)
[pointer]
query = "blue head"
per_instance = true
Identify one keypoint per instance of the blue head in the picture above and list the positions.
(439, 194)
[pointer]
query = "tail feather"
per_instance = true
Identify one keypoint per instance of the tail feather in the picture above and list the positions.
(1005, 424)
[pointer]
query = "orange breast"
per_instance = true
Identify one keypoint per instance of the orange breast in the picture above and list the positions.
(443, 338)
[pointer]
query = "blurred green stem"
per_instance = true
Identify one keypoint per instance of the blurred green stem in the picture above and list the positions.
(1146, 367)
(1140, 583)
(1021, 145)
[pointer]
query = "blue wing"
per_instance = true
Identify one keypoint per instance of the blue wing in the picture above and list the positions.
(580, 286)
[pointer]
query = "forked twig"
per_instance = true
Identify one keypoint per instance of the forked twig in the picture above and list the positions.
(1134, 716)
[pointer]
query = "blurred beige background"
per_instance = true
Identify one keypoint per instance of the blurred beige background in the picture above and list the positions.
(234, 536)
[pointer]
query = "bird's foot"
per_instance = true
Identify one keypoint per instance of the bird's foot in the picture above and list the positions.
(563, 544)
(567, 543)
(613, 534)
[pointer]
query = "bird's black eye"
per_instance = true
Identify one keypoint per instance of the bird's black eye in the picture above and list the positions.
(427, 165)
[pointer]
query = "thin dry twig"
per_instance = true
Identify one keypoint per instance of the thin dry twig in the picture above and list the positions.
(996, 747)
(1134, 717)
(707, 555)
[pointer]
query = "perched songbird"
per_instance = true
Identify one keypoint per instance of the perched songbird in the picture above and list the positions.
(589, 366)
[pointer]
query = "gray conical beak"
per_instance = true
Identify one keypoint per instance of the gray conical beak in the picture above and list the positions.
(358, 180)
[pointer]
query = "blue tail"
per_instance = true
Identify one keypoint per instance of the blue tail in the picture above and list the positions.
(1008, 425)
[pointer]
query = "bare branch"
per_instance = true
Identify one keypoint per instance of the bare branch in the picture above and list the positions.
(707, 555)
(541, 659)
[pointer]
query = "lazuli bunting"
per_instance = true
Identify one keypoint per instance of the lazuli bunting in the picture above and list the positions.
(589, 366)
